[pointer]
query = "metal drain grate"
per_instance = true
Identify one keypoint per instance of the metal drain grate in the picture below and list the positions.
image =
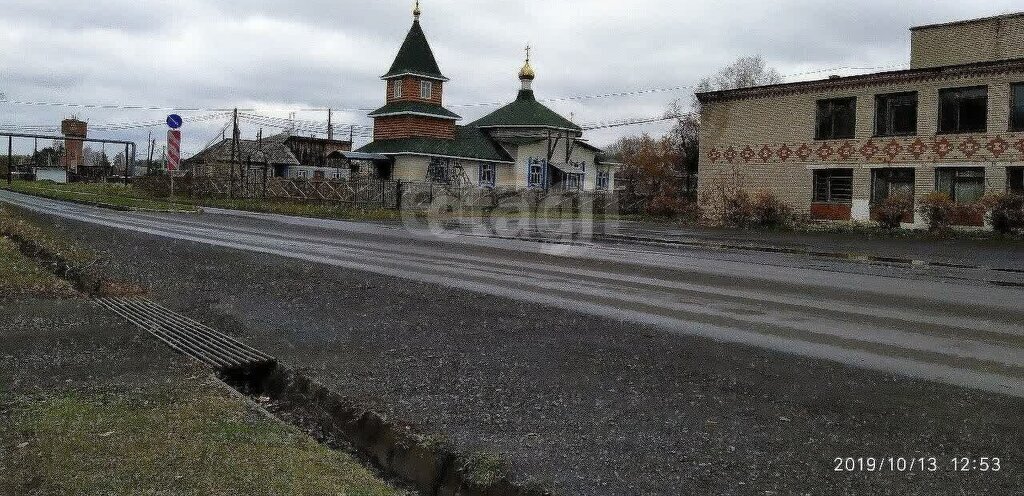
(185, 335)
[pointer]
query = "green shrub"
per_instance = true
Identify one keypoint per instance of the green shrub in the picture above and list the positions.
(891, 211)
(1005, 212)
(937, 210)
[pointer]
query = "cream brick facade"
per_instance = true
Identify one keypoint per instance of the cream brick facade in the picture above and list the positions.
(764, 138)
(965, 42)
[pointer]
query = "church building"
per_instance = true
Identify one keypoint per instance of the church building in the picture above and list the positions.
(523, 145)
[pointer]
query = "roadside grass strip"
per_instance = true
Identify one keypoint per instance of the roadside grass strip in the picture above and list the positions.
(189, 438)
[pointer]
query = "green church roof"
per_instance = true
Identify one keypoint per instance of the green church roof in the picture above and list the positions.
(415, 57)
(526, 111)
(469, 143)
(416, 108)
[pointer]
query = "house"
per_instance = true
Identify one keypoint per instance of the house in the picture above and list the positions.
(836, 148)
(523, 145)
(283, 155)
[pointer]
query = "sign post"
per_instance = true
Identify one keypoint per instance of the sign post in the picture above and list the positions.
(174, 122)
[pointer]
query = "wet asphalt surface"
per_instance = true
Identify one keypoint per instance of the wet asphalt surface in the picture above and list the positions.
(589, 405)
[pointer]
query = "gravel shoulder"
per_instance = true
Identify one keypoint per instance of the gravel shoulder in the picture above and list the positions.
(591, 405)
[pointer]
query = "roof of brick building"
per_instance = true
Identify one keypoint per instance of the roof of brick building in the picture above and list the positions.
(415, 108)
(415, 57)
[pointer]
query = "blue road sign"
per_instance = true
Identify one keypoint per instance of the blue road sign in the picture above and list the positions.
(174, 121)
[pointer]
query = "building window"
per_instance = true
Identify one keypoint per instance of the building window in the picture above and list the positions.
(963, 110)
(603, 178)
(962, 184)
(836, 119)
(833, 186)
(1017, 107)
(426, 90)
(1015, 180)
(535, 178)
(487, 175)
(573, 182)
(397, 88)
(891, 182)
(896, 114)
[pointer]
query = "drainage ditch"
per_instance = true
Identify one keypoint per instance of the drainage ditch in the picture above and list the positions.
(427, 465)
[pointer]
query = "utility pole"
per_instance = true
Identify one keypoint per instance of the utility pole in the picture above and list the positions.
(330, 127)
(127, 166)
(234, 153)
(149, 153)
(10, 162)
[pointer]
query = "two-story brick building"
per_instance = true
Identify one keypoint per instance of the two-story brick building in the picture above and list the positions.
(834, 148)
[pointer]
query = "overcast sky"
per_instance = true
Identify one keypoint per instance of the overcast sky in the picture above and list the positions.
(281, 55)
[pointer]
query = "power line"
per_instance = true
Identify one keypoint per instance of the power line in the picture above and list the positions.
(617, 94)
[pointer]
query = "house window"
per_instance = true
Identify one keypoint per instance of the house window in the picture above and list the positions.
(302, 174)
(603, 178)
(487, 175)
(426, 90)
(896, 114)
(891, 182)
(1015, 180)
(833, 186)
(442, 170)
(1017, 107)
(573, 182)
(962, 184)
(397, 88)
(963, 110)
(536, 174)
(836, 118)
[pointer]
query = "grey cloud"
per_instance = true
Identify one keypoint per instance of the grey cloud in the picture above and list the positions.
(331, 53)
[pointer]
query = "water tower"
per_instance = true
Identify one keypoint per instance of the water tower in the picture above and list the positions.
(74, 156)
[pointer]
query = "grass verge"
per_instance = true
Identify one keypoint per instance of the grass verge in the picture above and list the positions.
(21, 276)
(191, 438)
(109, 195)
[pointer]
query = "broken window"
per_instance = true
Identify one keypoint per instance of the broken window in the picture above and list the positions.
(896, 114)
(487, 175)
(962, 184)
(836, 118)
(1015, 180)
(891, 182)
(963, 110)
(1017, 107)
(833, 186)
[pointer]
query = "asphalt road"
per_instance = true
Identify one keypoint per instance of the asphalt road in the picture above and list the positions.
(612, 369)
